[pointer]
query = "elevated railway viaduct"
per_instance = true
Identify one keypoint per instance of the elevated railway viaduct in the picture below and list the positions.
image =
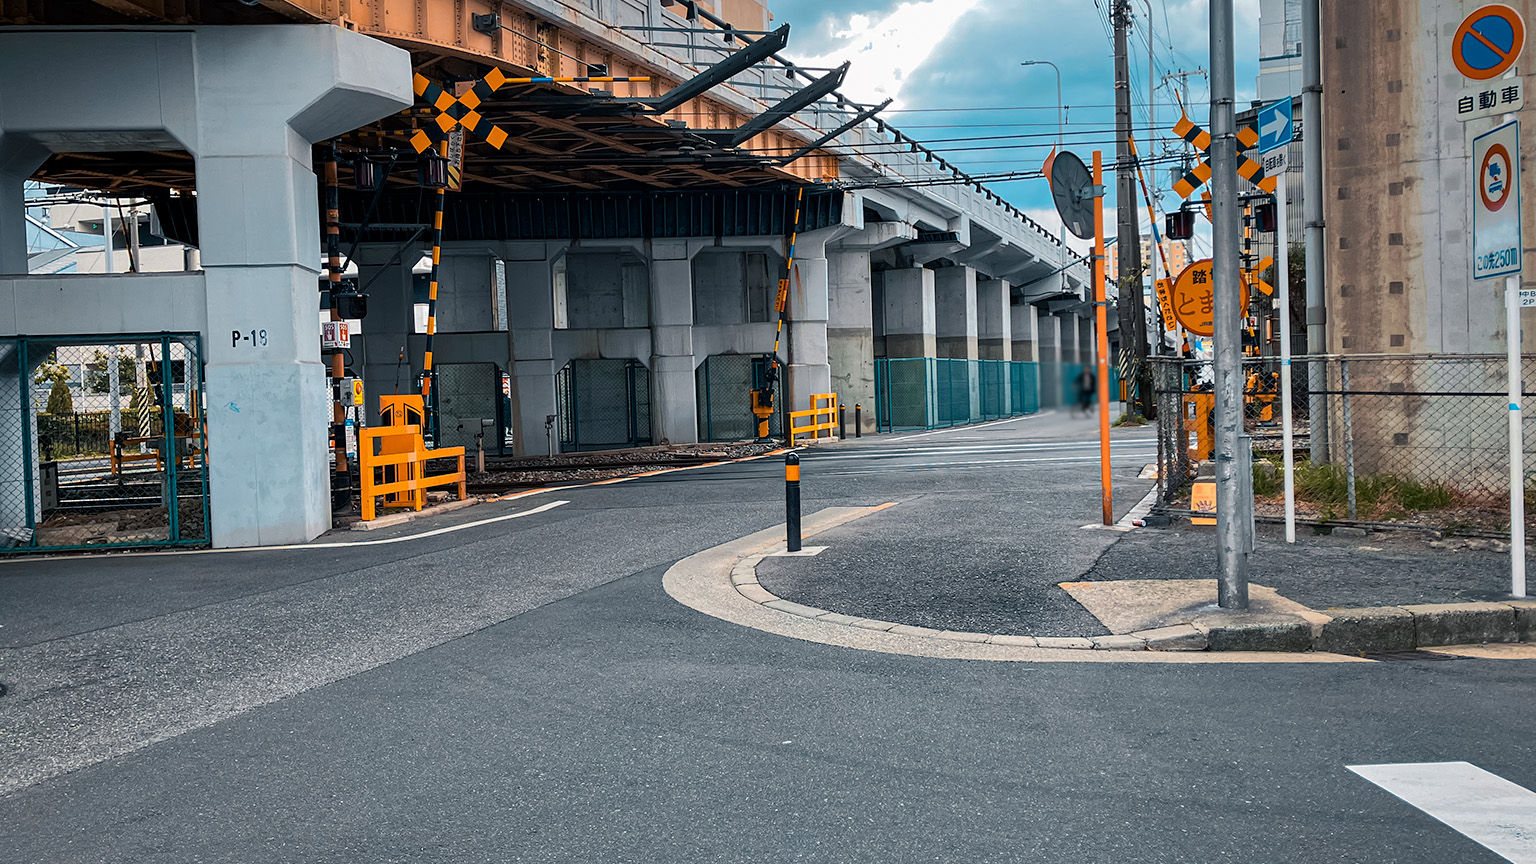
(606, 236)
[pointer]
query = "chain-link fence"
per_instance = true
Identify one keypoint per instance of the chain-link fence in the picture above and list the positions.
(603, 404)
(1377, 438)
(724, 383)
(932, 393)
(469, 395)
(102, 443)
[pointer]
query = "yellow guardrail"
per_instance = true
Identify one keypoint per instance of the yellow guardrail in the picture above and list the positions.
(822, 405)
(409, 488)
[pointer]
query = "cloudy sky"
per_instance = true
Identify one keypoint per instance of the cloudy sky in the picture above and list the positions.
(934, 56)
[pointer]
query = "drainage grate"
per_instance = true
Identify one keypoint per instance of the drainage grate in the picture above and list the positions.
(1409, 655)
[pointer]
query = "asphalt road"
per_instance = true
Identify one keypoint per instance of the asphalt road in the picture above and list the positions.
(524, 690)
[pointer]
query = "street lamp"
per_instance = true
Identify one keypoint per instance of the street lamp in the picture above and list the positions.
(1059, 108)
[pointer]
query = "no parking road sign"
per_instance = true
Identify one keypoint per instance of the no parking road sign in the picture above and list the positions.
(1496, 202)
(1488, 42)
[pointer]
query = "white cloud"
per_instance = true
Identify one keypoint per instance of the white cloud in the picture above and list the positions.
(885, 49)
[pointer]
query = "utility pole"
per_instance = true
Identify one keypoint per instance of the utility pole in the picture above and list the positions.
(1133, 324)
(1233, 513)
(1312, 212)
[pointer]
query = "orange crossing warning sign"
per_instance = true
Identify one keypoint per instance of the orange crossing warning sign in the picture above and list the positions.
(1248, 169)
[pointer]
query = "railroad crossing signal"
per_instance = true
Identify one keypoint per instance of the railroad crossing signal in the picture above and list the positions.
(1247, 139)
(460, 112)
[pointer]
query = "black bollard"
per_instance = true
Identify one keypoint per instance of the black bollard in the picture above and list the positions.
(858, 420)
(842, 421)
(792, 502)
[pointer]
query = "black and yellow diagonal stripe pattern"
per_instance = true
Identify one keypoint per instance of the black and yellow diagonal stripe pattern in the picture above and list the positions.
(1247, 168)
(461, 111)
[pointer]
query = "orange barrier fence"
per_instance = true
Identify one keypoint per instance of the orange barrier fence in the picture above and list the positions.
(408, 456)
(822, 405)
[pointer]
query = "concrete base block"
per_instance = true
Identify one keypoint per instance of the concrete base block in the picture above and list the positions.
(1255, 631)
(1184, 637)
(1463, 623)
(1381, 628)
(1525, 618)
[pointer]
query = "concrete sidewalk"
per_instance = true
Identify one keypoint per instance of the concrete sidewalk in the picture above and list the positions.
(993, 559)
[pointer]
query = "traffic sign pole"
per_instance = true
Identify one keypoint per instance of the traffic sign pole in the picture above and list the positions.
(1516, 441)
(1283, 286)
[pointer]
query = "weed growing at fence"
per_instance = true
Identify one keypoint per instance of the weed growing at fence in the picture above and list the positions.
(1327, 487)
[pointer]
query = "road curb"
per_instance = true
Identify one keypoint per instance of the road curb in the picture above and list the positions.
(1362, 631)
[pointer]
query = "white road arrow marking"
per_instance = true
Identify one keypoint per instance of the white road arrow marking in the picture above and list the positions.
(1485, 807)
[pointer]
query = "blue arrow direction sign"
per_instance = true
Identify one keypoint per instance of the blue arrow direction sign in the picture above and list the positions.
(1275, 125)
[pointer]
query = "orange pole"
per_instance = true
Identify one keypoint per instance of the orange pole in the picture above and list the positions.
(1100, 304)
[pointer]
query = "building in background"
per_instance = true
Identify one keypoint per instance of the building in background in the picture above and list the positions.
(1279, 49)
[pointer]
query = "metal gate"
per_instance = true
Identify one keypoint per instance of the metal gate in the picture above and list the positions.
(603, 404)
(468, 394)
(102, 443)
(724, 383)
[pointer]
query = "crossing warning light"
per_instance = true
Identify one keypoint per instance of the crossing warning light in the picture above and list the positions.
(1264, 217)
(1180, 225)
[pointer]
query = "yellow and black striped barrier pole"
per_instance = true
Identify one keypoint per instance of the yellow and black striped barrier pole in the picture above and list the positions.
(792, 503)
(428, 373)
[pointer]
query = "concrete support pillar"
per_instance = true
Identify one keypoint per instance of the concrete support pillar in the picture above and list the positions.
(18, 159)
(387, 329)
(955, 299)
(994, 320)
(911, 318)
(530, 333)
(809, 307)
(1025, 333)
(1050, 359)
(1087, 341)
(248, 103)
(851, 333)
(1066, 323)
(674, 399)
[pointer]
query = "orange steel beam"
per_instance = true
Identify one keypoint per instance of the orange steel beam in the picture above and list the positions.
(442, 28)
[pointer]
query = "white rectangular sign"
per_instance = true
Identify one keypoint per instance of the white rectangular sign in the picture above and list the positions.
(1499, 96)
(335, 334)
(1496, 202)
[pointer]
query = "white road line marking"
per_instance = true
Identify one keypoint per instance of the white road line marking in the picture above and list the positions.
(1485, 807)
(383, 542)
(972, 427)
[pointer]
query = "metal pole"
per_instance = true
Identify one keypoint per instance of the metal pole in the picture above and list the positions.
(1060, 120)
(1101, 316)
(1349, 440)
(792, 502)
(1133, 329)
(1312, 203)
(1141, 177)
(1231, 508)
(107, 264)
(1283, 257)
(1516, 440)
(858, 420)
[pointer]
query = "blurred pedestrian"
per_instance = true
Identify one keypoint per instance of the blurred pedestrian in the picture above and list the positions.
(1087, 388)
